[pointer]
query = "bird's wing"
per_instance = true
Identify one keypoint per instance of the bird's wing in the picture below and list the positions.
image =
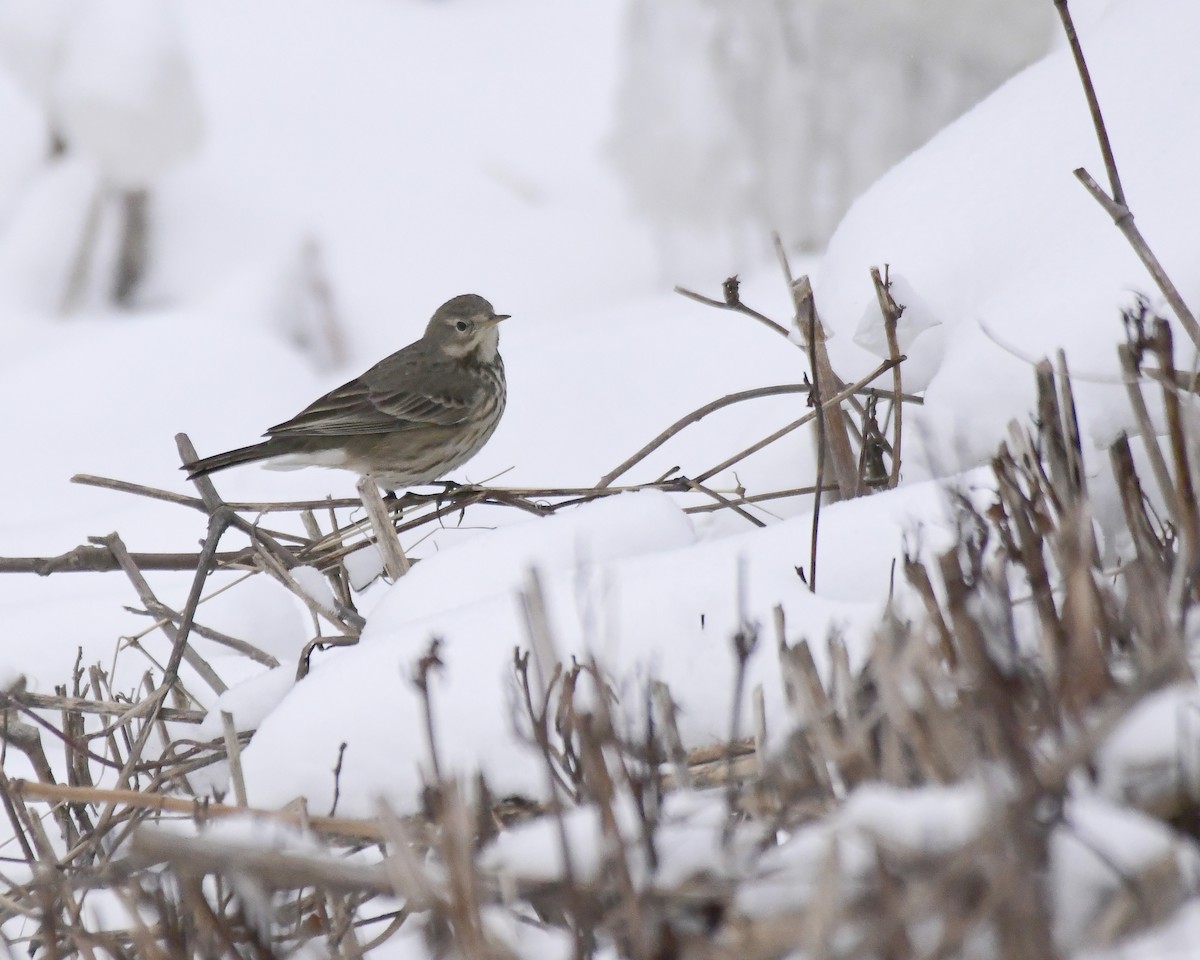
(398, 393)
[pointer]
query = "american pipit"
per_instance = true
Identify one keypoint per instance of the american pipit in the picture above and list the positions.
(411, 418)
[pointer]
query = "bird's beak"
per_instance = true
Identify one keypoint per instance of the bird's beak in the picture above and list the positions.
(495, 318)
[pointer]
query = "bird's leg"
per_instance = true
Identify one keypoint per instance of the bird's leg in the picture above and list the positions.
(450, 488)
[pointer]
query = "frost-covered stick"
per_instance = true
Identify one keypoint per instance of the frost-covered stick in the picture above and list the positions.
(783, 431)
(892, 311)
(394, 561)
(233, 753)
(164, 616)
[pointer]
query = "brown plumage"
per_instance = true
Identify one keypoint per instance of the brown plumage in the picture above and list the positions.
(411, 418)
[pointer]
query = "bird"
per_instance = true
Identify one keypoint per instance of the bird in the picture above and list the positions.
(410, 419)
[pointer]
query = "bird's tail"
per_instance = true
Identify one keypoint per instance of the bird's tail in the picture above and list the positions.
(230, 458)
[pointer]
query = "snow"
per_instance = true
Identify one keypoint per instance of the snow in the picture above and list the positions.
(687, 844)
(1096, 851)
(1174, 940)
(31, 38)
(624, 583)
(426, 150)
(1150, 759)
(909, 822)
(124, 94)
(312, 581)
(992, 234)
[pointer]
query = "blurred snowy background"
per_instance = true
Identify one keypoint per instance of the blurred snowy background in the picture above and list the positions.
(213, 210)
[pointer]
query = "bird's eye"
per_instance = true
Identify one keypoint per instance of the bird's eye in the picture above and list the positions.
(461, 326)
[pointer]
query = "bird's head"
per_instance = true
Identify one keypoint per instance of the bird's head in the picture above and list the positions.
(466, 326)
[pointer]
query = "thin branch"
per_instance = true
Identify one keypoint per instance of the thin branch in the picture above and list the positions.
(96, 559)
(140, 489)
(756, 498)
(733, 301)
(177, 636)
(694, 417)
(822, 434)
(1089, 91)
(1116, 205)
(1123, 217)
(42, 701)
(892, 311)
(783, 431)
